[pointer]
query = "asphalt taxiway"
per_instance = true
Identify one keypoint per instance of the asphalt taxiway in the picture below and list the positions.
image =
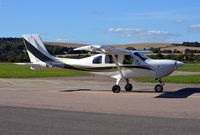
(31, 121)
(141, 111)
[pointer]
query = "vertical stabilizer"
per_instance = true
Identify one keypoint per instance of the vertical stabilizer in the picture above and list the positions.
(36, 50)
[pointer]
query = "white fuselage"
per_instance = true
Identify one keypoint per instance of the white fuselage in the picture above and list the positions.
(140, 67)
(116, 63)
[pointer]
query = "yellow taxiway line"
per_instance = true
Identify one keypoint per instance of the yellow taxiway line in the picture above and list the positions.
(101, 92)
(8, 81)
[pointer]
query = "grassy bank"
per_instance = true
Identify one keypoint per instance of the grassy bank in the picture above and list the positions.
(193, 79)
(9, 70)
(193, 67)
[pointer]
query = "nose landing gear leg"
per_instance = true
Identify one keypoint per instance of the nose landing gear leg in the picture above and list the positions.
(159, 87)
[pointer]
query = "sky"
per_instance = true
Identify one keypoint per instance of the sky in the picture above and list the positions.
(102, 21)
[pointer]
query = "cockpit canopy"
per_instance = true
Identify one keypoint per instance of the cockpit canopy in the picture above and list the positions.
(141, 56)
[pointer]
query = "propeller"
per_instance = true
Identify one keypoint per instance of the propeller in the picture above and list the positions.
(178, 64)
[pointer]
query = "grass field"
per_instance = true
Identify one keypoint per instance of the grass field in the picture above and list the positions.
(190, 79)
(193, 67)
(9, 70)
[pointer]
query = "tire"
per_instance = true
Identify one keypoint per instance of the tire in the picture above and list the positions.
(158, 88)
(128, 87)
(116, 89)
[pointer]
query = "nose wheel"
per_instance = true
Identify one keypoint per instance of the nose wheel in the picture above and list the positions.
(159, 87)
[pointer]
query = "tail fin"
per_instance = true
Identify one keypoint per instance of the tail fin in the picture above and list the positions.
(36, 50)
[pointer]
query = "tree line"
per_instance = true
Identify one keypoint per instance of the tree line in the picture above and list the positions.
(188, 57)
(189, 44)
(13, 50)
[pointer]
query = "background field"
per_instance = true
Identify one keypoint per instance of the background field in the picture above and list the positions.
(10, 70)
(190, 79)
(193, 67)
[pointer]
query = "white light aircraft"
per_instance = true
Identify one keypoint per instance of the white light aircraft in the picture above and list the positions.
(116, 63)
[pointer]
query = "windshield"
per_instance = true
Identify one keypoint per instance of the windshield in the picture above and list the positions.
(141, 56)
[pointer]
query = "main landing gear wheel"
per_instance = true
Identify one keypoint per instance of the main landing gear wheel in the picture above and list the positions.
(158, 88)
(116, 89)
(128, 87)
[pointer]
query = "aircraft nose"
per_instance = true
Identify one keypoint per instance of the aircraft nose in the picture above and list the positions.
(178, 64)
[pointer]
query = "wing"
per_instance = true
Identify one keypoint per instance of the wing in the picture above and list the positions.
(108, 50)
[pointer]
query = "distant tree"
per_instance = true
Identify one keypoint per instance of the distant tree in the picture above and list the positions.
(159, 55)
(130, 48)
(155, 50)
(176, 51)
(166, 51)
(13, 50)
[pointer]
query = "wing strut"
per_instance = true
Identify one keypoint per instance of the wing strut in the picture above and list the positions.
(117, 64)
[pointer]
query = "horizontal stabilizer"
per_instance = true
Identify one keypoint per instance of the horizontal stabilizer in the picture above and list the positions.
(26, 64)
(33, 66)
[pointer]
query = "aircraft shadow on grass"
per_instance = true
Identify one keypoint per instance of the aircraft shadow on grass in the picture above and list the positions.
(182, 93)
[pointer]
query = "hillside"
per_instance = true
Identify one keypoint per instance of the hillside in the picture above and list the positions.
(13, 50)
(180, 48)
(73, 45)
(139, 46)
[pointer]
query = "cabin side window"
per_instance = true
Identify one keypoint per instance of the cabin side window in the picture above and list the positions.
(109, 59)
(128, 59)
(97, 60)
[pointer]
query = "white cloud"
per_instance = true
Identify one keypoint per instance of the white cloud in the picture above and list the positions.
(62, 39)
(65, 39)
(178, 21)
(195, 28)
(1, 4)
(98, 12)
(149, 35)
